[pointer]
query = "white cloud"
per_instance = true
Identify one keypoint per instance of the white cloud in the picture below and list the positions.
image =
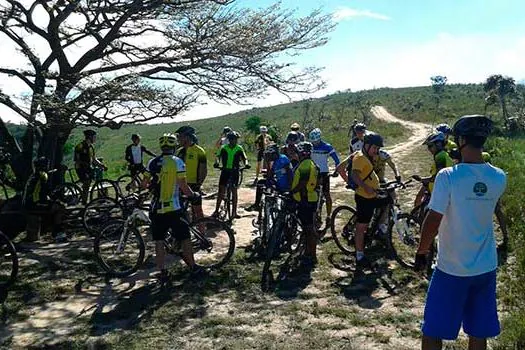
(344, 13)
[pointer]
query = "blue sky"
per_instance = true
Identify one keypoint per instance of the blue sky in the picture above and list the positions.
(398, 43)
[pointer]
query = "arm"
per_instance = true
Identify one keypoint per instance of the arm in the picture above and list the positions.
(429, 230)
(334, 156)
(244, 158)
(202, 170)
(393, 166)
(361, 183)
(183, 185)
(127, 154)
(148, 152)
(341, 169)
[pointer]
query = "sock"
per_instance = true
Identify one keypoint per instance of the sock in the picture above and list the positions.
(359, 255)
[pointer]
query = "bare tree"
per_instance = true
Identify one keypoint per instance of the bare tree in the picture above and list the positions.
(498, 88)
(113, 62)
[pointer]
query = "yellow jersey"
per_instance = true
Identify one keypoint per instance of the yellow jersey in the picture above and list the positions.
(193, 157)
(306, 171)
(362, 164)
(441, 160)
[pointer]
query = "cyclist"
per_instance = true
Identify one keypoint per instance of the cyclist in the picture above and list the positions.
(462, 291)
(223, 140)
(366, 198)
(351, 129)
(194, 158)
(380, 161)
(296, 127)
(231, 155)
(134, 155)
(168, 180)
(436, 146)
(85, 159)
(304, 192)
(279, 174)
(36, 199)
(261, 141)
(447, 131)
(356, 143)
(290, 149)
(320, 153)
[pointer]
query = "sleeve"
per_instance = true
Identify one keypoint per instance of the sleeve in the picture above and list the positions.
(181, 169)
(358, 164)
(76, 153)
(202, 156)
(243, 154)
(149, 168)
(127, 153)
(334, 155)
(441, 193)
(441, 161)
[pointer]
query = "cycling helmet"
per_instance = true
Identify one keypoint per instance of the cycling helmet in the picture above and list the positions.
(41, 163)
(373, 139)
(293, 136)
(295, 126)
(360, 127)
(304, 148)
(315, 135)
(185, 130)
(90, 133)
(263, 128)
(444, 128)
(271, 149)
(473, 125)
(226, 130)
(135, 136)
(168, 140)
(233, 135)
(433, 138)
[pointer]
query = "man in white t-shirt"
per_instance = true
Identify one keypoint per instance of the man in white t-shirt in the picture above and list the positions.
(462, 291)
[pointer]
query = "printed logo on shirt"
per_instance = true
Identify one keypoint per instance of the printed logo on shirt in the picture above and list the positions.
(480, 189)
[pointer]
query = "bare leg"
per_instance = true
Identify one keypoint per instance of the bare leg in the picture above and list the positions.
(257, 169)
(428, 343)
(160, 254)
(477, 343)
(328, 199)
(220, 197)
(187, 253)
(85, 191)
(197, 212)
(311, 242)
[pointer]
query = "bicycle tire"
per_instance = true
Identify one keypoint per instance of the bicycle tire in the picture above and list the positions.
(128, 185)
(320, 216)
(229, 204)
(343, 235)
(209, 241)
(104, 189)
(8, 262)
(100, 211)
(68, 193)
(404, 238)
(111, 235)
(271, 249)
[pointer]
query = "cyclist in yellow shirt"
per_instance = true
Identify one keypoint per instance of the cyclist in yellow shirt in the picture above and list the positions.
(380, 161)
(194, 158)
(304, 192)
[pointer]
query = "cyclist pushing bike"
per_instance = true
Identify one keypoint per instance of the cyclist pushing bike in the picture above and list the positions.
(231, 156)
(168, 180)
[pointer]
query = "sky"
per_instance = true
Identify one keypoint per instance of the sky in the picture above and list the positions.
(395, 43)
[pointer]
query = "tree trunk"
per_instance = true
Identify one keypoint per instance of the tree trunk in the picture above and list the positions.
(52, 147)
(504, 110)
(20, 157)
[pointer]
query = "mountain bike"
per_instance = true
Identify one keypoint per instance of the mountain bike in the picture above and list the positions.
(226, 207)
(8, 262)
(321, 219)
(128, 184)
(120, 249)
(263, 221)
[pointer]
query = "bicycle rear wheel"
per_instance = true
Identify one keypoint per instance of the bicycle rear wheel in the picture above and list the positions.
(213, 242)
(104, 189)
(67, 193)
(128, 185)
(320, 217)
(404, 238)
(342, 225)
(8, 262)
(272, 249)
(99, 212)
(117, 253)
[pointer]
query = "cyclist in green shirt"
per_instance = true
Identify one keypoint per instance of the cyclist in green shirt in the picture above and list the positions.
(447, 131)
(230, 155)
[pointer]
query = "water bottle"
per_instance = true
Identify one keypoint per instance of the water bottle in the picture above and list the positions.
(401, 226)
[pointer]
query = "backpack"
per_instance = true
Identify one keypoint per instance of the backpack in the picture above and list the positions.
(351, 183)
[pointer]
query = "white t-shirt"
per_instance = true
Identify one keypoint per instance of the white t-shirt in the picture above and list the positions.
(466, 195)
(356, 145)
(136, 151)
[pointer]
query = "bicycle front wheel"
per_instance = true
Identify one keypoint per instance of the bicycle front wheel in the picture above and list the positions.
(98, 212)
(213, 242)
(104, 189)
(128, 185)
(404, 237)
(342, 225)
(272, 249)
(119, 253)
(67, 193)
(8, 262)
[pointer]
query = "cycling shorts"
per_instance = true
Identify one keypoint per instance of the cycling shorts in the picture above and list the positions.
(229, 175)
(135, 169)
(161, 223)
(196, 188)
(324, 182)
(260, 155)
(84, 174)
(306, 212)
(365, 207)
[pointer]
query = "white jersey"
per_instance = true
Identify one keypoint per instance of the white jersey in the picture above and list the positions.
(466, 196)
(356, 145)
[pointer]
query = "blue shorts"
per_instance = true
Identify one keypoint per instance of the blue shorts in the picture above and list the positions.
(453, 301)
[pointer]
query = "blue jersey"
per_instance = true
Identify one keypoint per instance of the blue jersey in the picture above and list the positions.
(320, 154)
(280, 170)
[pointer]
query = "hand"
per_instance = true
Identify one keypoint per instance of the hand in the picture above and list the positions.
(247, 166)
(398, 178)
(216, 165)
(420, 261)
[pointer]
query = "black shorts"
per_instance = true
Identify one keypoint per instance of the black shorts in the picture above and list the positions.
(161, 223)
(84, 174)
(366, 206)
(135, 169)
(260, 155)
(229, 175)
(306, 213)
(324, 182)
(196, 188)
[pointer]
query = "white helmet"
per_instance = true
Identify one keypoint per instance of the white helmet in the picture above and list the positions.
(315, 135)
(263, 128)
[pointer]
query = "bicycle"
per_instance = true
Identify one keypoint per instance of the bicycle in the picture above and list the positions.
(226, 207)
(8, 262)
(128, 184)
(321, 218)
(263, 221)
(120, 249)
(403, 230)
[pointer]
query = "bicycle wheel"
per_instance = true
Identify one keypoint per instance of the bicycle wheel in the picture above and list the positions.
(272, 249)
(98, 212)
(342, 225)
(404, 237)
(8, 262)
(320, 216)
(104, 189)
(67, 193)
(128, 185)
(228, 204)
(119, 254)
(213, 242)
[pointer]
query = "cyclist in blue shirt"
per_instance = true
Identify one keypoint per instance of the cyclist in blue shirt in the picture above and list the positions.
(279, 174)
(320, 153)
